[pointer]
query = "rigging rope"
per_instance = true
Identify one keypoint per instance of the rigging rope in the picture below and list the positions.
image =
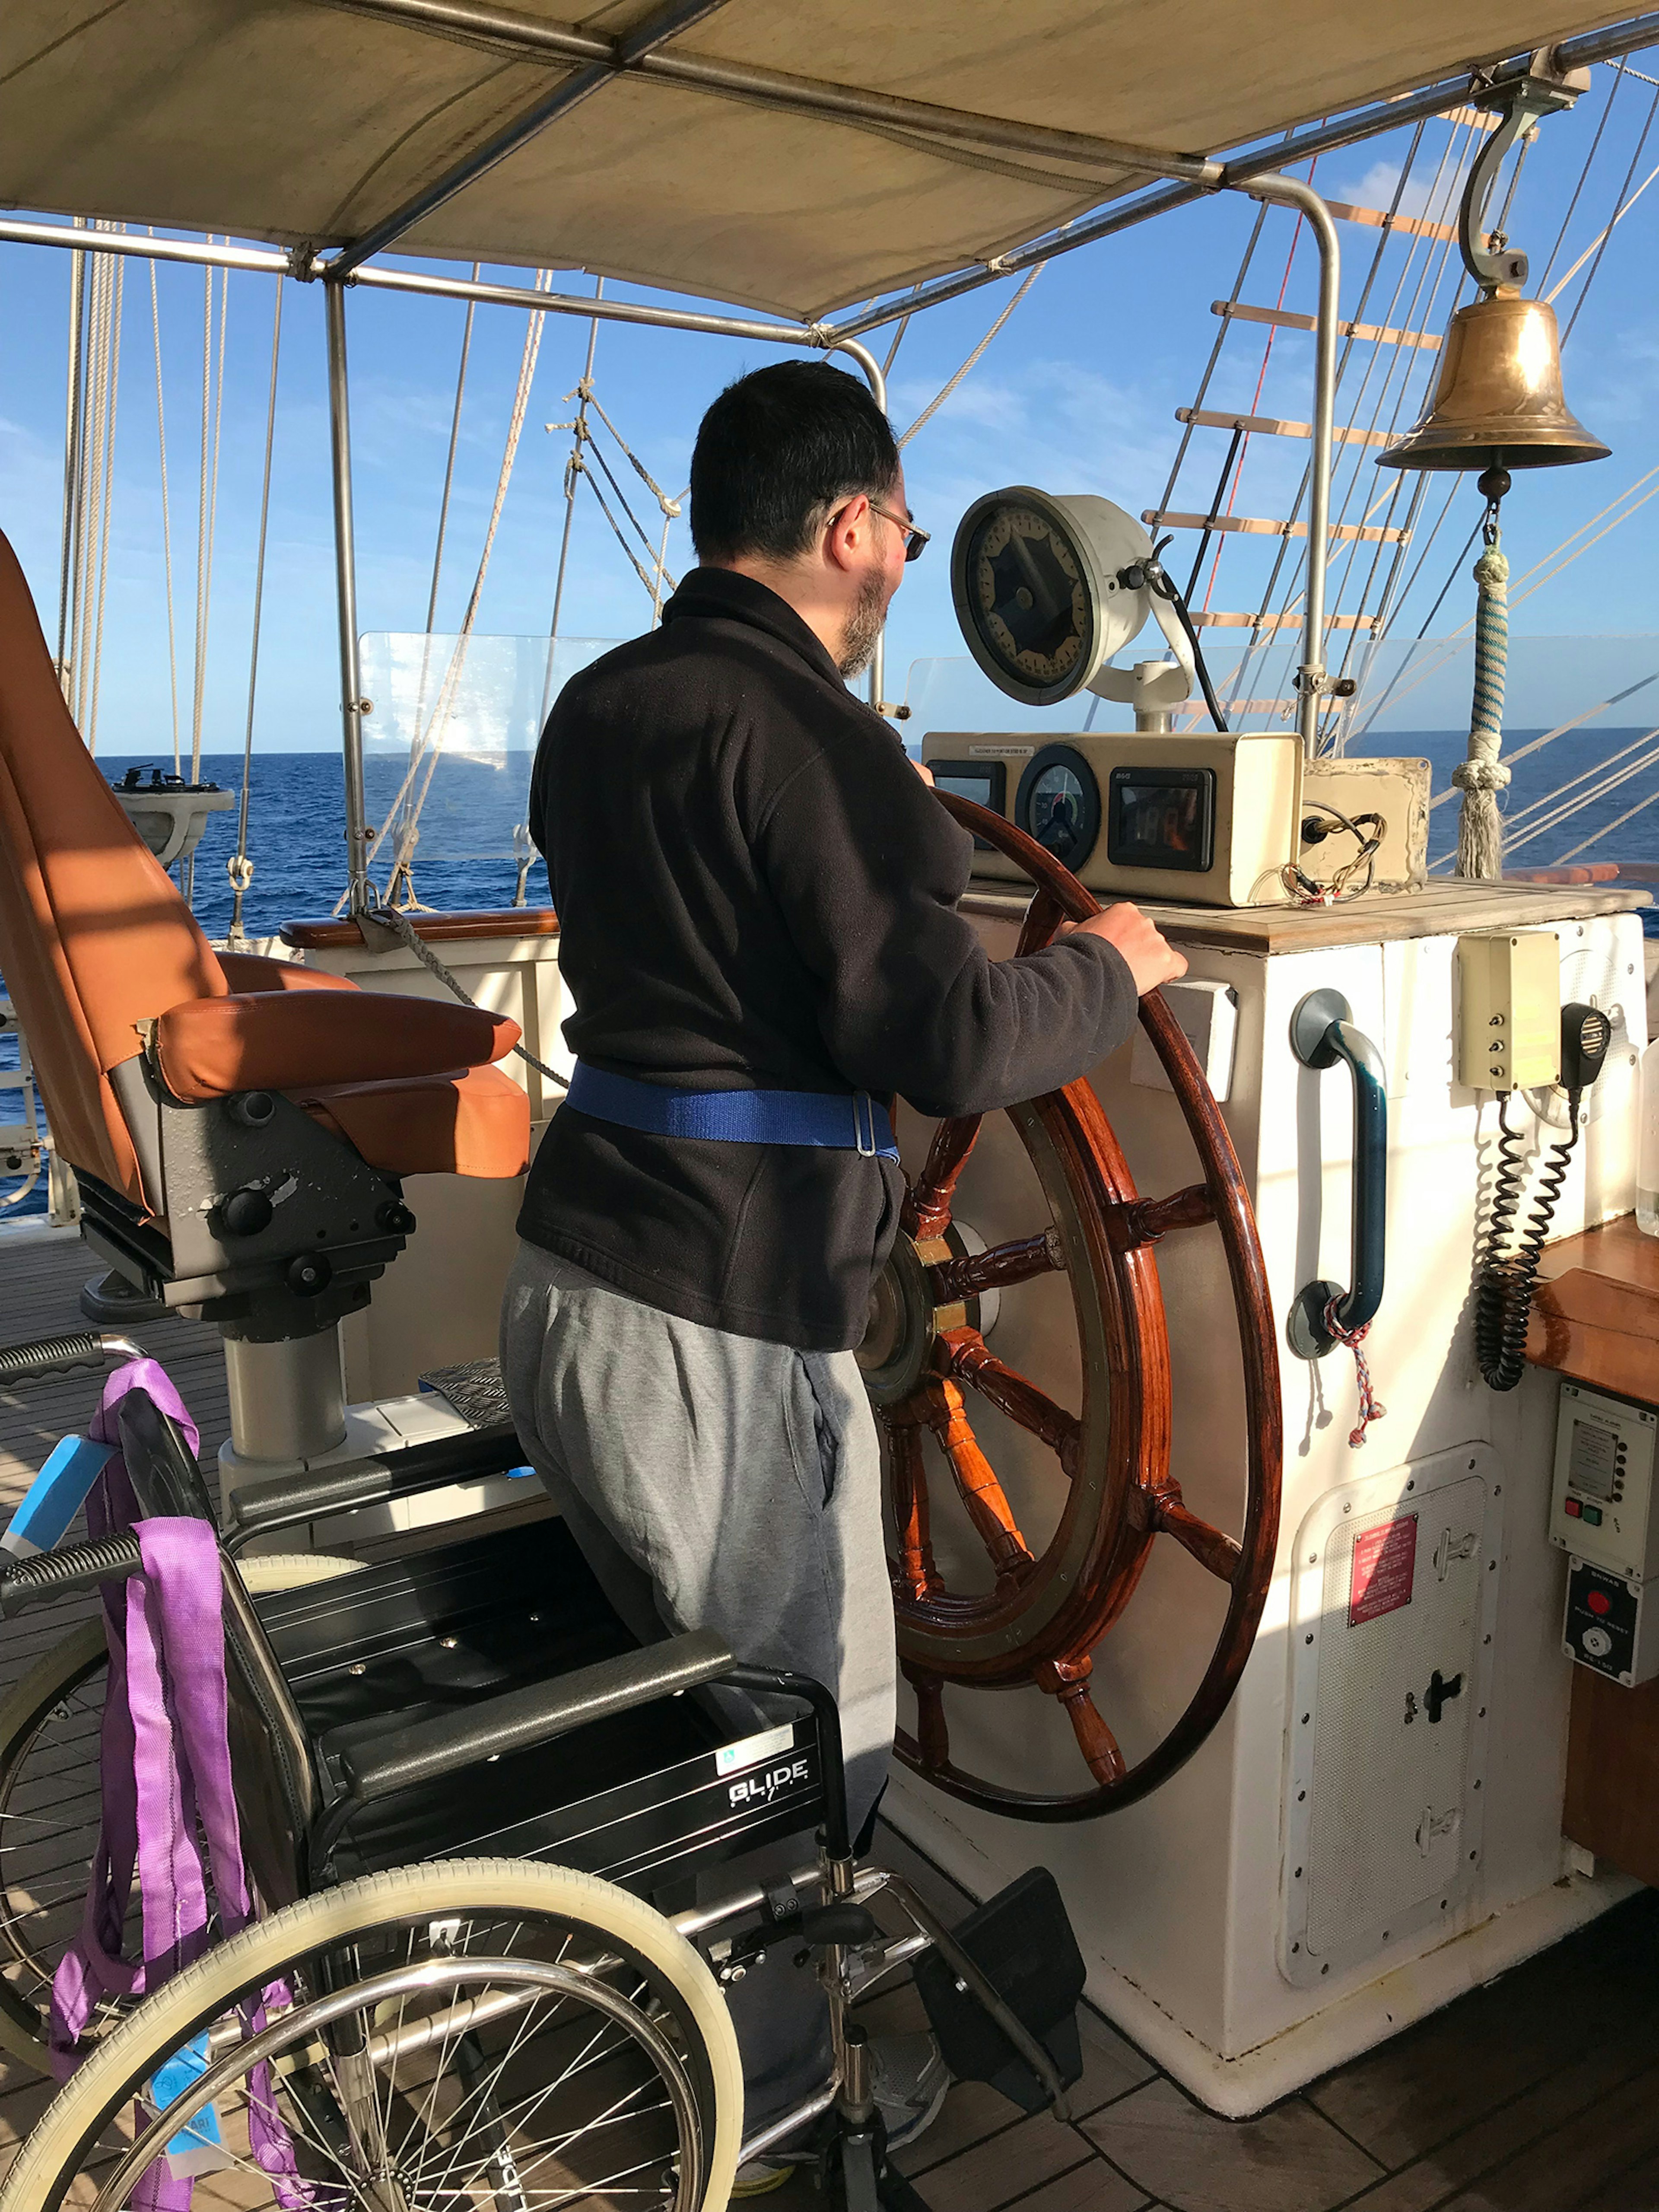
(239, 867)
(397, 919)
(207, 520)
(167, 516)
(405, 816)
(1601, 244)
(110, 400)
(71, 451)
(974, 358)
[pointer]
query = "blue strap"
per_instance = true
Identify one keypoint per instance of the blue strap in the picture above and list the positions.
(835, 1120)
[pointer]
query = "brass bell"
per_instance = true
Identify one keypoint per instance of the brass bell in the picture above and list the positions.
(1498, 401)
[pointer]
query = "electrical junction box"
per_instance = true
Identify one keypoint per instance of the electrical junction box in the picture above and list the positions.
(1508, 1018)
(1398, 790)
(1601, 1500)
(1202, 819)
(1207, 1014)
(1608, 1626)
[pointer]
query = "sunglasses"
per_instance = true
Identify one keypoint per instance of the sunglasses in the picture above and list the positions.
(915, 539)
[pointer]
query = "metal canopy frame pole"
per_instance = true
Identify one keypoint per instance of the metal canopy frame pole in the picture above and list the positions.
(345, 579)
(666, 23)
(1291, 191)
(510, 31)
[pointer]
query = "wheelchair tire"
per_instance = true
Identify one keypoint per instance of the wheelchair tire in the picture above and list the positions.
(409, 1918)
(34, 1934)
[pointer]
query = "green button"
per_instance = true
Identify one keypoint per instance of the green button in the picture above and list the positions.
(1592, 1515)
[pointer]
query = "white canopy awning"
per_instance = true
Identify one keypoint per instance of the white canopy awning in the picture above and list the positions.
(303, 120)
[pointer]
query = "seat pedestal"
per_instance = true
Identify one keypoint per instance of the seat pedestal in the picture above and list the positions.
(287, 1399)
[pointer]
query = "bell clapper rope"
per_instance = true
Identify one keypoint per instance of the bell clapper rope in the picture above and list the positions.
(1483, 775)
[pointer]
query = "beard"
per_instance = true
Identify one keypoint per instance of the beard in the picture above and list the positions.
(864, 625)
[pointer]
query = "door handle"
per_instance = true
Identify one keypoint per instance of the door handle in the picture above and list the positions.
(1321, 1034)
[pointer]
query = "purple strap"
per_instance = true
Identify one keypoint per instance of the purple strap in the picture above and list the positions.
(165, 1767)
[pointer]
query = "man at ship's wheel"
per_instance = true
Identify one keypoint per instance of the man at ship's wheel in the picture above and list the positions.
(757, 903)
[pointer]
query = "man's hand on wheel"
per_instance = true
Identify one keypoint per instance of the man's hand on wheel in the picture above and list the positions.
(1152, 959)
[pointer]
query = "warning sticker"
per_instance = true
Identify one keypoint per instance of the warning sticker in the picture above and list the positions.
(1384, 1563)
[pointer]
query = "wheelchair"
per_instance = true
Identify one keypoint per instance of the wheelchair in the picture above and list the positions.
(459, 1783)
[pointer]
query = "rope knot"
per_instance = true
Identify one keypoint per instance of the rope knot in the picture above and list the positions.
(1480, 776)
(1492, 570)
(1372, 1407)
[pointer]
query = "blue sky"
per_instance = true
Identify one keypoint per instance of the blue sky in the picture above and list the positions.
(1078, 394)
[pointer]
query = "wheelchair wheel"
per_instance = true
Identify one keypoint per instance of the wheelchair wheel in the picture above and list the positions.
(468, 2035)
(49, 1806)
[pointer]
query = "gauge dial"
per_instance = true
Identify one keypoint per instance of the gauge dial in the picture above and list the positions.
(1059, 804)
(1027, 595)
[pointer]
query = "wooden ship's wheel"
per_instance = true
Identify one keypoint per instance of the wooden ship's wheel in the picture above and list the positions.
(926, 1364)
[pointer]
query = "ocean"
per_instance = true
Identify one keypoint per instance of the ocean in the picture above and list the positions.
(465, 857)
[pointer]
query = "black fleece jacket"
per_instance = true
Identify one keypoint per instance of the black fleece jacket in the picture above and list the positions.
(755, 889)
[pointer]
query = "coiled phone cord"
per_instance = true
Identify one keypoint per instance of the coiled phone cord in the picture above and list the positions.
(1503, 1295)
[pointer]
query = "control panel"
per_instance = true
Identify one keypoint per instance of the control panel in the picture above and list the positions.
(1608, 1627)
(1201, 819)
(1508, 1009)
(1600, 1506)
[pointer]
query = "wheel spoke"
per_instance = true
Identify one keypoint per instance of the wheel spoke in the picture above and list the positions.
(975, 1479)
(1001, 1268)
(1068, 1680)
(928, 1209)
(932, 1737)
(918, 1575)
(1014, 1393)
(1144, 1220)
(1212, 1549)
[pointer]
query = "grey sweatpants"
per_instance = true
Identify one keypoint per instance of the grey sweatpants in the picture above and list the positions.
(719, 1481)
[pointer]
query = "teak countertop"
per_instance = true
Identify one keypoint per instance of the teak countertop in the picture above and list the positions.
(1596, 1317)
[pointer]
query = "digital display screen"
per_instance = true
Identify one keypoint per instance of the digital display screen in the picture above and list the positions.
(986, 782)
(1162, 818)
(974, 784)
(1592, 1462)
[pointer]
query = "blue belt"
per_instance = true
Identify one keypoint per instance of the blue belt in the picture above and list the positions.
(835, 1120)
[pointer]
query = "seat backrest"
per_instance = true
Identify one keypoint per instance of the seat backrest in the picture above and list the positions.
(94, 937)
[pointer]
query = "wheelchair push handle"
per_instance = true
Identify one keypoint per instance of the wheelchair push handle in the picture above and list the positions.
(52, 1575)
(55, 1355)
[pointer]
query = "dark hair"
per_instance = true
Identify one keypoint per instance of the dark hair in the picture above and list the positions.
(777, 450)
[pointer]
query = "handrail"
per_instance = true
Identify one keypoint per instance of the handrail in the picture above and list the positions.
(1321, 1034)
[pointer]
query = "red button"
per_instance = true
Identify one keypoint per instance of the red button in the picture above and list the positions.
(1599, 1602)
(1573, 1509)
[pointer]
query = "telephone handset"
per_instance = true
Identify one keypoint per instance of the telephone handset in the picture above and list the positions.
(1509, 1277)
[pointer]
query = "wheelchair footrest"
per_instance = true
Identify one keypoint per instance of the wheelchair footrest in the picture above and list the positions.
(1022, 1942)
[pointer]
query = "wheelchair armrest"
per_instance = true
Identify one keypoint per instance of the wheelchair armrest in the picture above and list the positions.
(261, 1508)
(519, 1720)
(208, 1049)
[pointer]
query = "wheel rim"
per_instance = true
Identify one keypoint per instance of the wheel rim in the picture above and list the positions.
(467, 2073)
(1048, 1611)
